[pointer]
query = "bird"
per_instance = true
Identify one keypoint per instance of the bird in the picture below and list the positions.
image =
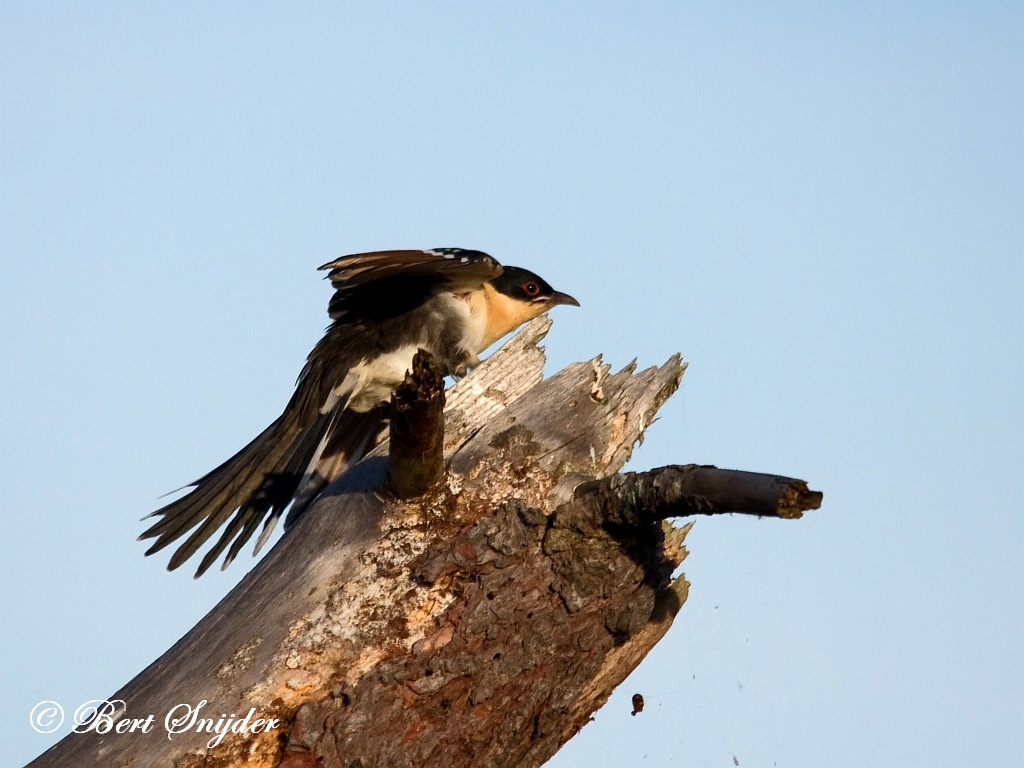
(452, 302)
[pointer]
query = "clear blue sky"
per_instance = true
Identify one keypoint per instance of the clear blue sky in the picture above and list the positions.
(820, 206)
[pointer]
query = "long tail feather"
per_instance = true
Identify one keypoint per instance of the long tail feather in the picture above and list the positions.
(180, 515)
(352, 437)
(257, 484)
(248, 484)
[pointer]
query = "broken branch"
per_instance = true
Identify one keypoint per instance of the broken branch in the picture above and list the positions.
(682, 490)
(417, 429)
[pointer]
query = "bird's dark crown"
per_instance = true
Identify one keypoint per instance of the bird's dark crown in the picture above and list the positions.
(522, 284)
(525, 286)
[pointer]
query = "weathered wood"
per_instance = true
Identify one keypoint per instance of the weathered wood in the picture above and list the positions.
(636, 498)
(416, 458)
(243, 653)
(462, 629)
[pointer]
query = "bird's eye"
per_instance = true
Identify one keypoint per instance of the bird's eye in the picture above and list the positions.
(531, 288)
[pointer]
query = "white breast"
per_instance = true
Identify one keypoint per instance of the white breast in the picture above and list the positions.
(371, 382)
(473, 317)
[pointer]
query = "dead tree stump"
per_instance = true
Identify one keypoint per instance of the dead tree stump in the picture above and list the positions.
(480, 624)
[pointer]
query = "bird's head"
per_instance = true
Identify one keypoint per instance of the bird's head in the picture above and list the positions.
(523, 286)
(517, 296)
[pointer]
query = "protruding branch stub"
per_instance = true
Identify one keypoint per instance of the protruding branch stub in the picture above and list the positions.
(683, 490)
(417, 429)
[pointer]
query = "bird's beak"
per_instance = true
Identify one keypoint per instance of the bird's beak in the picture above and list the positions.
(558, 297)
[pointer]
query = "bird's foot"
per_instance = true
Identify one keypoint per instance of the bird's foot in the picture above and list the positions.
(463, 370)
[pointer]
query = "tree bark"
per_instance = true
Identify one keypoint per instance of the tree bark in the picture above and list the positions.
(416, 456)
(480, 624)
(635, 498)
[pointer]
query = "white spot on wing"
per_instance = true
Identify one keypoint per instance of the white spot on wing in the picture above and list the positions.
(448, 253)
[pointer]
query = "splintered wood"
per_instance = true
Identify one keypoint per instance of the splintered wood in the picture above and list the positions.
(461, 628)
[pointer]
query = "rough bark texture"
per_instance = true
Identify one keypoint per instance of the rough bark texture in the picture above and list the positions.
(416, 457)
(635, 498)
(473, 626)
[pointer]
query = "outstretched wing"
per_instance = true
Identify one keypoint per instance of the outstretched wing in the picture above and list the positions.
(382, 284)
(311, 443)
